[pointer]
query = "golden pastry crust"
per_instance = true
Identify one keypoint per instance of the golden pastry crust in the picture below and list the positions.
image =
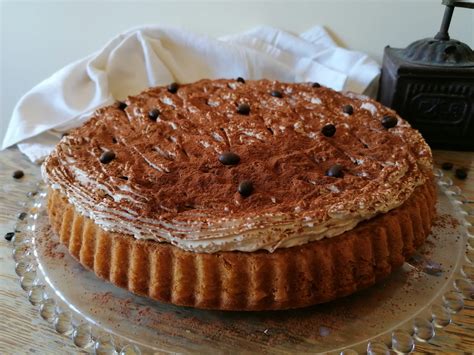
(293, 277)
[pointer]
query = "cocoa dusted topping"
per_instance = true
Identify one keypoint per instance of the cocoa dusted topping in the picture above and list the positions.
(153, 114)
(245, 188)
(122, 105)
(276, 93)
(229, 158)
(18, 174)
(389, 121)
(348, 109)
(107, 157)
(329, 130)
(241, 80)
(316, 85)
(243, 109)
(173, 88)
(171, 186)
(335, 171)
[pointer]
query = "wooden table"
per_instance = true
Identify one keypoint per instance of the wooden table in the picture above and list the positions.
(23, 331)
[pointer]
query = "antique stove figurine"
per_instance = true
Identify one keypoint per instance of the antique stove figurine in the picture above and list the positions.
(430, 83)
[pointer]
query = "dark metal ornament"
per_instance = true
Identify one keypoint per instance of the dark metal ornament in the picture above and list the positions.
(430, 83)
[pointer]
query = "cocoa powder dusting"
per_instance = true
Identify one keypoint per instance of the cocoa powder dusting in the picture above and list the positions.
(168, 169)
(49, 243)
(445, 221)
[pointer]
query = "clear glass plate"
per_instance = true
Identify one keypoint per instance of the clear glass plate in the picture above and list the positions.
(400, 313)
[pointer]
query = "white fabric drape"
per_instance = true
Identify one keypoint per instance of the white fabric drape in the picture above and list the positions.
(153, 55)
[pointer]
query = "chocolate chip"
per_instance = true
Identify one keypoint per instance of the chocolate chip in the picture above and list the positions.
(173, 88)
(335, 171)
(241, 80)
(229, 158)
(348, 109)
(123, 177)
(243, 109)
(329, 130)
(276, 93)
(65, 134)
(22, 215)
(245, 188)
(447, 166)
(461, 174)
(186, 207)
(389, 121)
(153, 114)
(107, 157)
(18, 174)
(122, 105)
(9, 236)
(316, 85)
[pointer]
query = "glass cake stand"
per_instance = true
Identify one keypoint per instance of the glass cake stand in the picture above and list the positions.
(414, 309)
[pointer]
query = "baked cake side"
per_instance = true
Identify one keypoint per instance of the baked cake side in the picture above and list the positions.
(294, 277)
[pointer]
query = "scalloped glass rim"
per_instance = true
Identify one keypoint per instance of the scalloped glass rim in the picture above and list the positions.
(87, 334)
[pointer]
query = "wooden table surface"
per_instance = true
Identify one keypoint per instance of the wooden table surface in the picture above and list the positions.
(23, 331)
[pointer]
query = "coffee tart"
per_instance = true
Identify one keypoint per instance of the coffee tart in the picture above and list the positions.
(242, 195)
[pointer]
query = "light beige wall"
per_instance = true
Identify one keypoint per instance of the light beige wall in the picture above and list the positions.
(39, 37)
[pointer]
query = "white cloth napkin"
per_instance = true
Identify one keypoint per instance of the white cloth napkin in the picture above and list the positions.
(154, 55)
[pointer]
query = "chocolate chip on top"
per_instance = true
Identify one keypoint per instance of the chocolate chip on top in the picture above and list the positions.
(18, 174)
(335, 171)
(276, 93)
(241, 80)
(316, 85)
(122, 105)
(173, 88)
(107, 157)
(243, 109)
(153, 114)
(389, 121)
(245, 188)
(348, 109)
(328, 130)
(229, 158)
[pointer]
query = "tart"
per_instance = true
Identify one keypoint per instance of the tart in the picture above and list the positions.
(242, 195)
